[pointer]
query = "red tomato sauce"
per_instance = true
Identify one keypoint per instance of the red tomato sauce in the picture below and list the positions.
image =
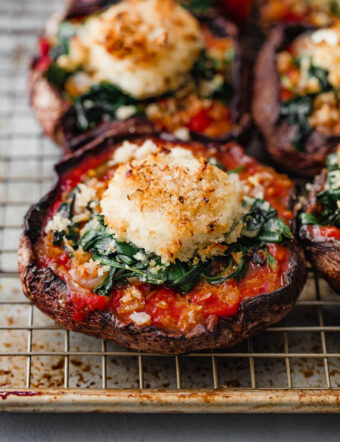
(43, 60)
(210, 117)
(291, 17)
(238, 11)
(167, 308)
(277, 190)
(173, 311)
(322, 232)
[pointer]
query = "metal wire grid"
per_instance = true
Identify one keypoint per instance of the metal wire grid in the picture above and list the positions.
(249, 355)
(25, 167)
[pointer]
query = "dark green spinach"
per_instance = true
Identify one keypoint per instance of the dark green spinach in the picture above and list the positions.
(57, 76)
(260, 226)
(328, 199)
(272, 262)
(128, 261)
(214, 162)
(308, 218)
(224, 93)
(260, 213)
(64, 34)
(275, 230)
(322, 76)
(235, 273)
(71, 233)
(335, 8)
(206, 68)
(101, 102)
(296, 112)
(198, 5)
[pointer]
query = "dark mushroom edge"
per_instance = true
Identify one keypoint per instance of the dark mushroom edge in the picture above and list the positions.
(49, 292)
(319, 224)
(288, 136)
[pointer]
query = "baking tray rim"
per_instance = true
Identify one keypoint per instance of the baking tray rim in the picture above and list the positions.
(161, 401)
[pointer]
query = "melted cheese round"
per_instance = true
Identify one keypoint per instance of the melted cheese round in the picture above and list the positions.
(145, 47)
(172, 204)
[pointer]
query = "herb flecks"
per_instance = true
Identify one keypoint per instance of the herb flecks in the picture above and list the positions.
(64, 34)
(67, 237)
(212, 78)
(101, 102)
(198, 5)
(297, 110)
(329, 199)
(125, 260)
(57, 75)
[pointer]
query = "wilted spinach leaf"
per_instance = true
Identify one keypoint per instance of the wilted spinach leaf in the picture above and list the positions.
(56, 75)
(322, 76)
(275, 230)
(224, 93)
(328, 199)
(101, 102)
(335, 7)
(126, 261)
(296, 112)
(204, 67)
(72, 231)
(307, 218)
(64, 34)
(253, 222)
(105, 288)
(185, 276)
(216, 163)
(198, 5)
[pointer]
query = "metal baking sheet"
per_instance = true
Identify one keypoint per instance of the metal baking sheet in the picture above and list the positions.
(293, 366)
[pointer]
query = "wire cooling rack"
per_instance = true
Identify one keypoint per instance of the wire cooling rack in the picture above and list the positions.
(294, 366)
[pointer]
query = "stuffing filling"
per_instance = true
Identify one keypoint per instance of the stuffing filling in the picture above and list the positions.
(143, 57)
(166, 235)
(314, 12)
(310, 83)
(323, 216)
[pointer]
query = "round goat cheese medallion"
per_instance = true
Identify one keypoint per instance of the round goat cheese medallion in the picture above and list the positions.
(146, 48)
(171, 203)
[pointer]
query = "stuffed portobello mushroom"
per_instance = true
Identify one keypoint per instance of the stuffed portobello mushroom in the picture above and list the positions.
(163, 245)
(296, 102)
(148, 58)
(310, 12)
(319, 224)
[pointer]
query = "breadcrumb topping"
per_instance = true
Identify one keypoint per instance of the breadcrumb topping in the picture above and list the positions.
(173, 204)
(145, 47)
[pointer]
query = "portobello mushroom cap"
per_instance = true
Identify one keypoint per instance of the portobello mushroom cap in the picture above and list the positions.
(277, 133)
(56, 114)
(49, 292)
(324, 253)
